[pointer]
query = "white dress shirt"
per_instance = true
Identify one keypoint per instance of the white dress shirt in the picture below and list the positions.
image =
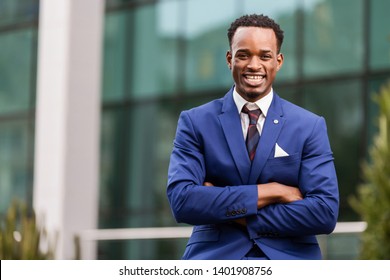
(262, 103)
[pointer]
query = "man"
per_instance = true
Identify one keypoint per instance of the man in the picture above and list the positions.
(253, 172)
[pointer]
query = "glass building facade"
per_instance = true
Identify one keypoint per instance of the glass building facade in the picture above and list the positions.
(18, 54)
(161, 57)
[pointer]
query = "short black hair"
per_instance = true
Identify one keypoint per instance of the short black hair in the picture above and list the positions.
(256, 21)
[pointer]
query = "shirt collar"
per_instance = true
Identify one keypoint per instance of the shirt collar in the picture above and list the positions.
(263, 103)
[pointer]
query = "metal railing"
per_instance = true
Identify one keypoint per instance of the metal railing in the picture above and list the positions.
(88, 238)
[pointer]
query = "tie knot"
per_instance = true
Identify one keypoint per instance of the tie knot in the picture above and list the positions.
(253, 114)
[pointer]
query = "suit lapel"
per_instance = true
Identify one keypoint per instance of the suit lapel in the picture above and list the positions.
(272, 126)
(231, 125)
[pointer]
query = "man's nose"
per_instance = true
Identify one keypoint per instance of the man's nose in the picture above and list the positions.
(255, 63)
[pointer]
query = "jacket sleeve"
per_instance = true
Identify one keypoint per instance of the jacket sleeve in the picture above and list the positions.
(317, 213)
(192, 202)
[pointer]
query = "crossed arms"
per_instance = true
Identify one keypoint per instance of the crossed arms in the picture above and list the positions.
(311, 208)
(271, 193)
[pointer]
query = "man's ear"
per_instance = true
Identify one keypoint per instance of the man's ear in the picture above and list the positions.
(229, 59)
(280, 59)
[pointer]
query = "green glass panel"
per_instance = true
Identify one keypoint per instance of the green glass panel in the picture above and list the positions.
(17, 75)
(112, 173)
(154, 50)
(380, 34)
(152, 129)
(140, 52)
(14, 12)
(15, 162)
(289, 93)
(340, 103)
(114, 54)
(116, 3)
(206, 44)
(333, 37)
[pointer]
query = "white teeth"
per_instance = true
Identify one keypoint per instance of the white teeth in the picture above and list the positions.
(254, 77)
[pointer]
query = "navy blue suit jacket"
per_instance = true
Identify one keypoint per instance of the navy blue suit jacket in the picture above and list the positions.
(209, 147)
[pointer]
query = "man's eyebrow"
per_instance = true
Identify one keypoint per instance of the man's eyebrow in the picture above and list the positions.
(242, 50)
(261, 50)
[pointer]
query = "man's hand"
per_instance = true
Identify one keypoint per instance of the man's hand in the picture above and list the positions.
(271, 193)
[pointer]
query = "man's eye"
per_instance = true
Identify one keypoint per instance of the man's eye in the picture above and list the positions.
(242, 56)
(266, 56)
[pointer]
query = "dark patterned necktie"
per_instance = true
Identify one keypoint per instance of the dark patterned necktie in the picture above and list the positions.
(252, 137)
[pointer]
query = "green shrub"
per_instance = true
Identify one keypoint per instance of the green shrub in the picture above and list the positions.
(20, 236)
(373, 198)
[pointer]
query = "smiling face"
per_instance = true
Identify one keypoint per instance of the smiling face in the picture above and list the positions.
(254, 61)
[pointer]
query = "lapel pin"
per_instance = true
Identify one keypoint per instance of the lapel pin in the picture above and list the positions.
(276, 121)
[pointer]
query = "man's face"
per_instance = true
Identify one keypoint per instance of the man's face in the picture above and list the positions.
(254, 61)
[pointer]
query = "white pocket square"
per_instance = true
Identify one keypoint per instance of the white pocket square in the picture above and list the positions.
(279, 152)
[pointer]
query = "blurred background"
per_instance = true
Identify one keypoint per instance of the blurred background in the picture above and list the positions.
(149, 60)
